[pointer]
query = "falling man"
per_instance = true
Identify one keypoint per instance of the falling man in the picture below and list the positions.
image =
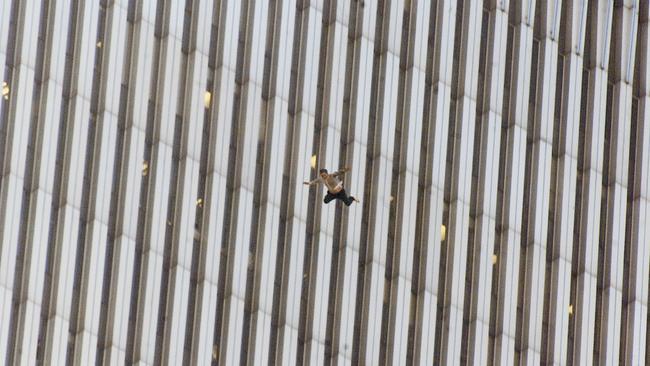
(334, 186)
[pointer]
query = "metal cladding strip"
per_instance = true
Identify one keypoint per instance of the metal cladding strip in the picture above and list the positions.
(224, 326)
(92, 219)
(75, 113)
(30, 332)
(54, 318)
(335, 343)
(199, 50)
(5, 24)
(36, 192)
(611, 249)
(438, 80)
(476, 201)
(120, 234)
(12, 143)
(24, 298)
(333, 131)
(416, 109)
(505, 275)
(390, 100)
(354, 146)
(284, 324)
(412, 85)
(198, 340)
(563, 180)
(252, 317)
(643, 116)
(176, 131)
(443, 300)
(589, 185)
(645, 238)
(329, 266)
(219, 171)
(221, 104)
(634, 328)
(273, 105)
(367, 260)
(272, 101)
(153, 167)
(281, 331)
(482, 213)
(11, 83)
(297, 315)
(537, 183)
(95, 219)
(135, 172)
(313, 231)
(457, 185)
(643, 288)
(9, 25)
(416, 349)
(182, 192)
(93, 255)
(249, 113)
(398, 174)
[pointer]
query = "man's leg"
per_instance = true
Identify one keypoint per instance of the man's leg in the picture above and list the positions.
(328, 197)
(343, 196)
(350, 200)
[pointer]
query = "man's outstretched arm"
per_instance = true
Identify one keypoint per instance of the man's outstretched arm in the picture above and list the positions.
(311, 183)
(340, 172)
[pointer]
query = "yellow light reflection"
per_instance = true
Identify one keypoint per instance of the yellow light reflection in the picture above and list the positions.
(5, 90)
(207, 98)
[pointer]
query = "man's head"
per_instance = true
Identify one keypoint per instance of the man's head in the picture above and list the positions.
(323, 173)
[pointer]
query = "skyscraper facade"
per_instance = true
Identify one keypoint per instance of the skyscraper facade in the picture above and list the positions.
(153, 154)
